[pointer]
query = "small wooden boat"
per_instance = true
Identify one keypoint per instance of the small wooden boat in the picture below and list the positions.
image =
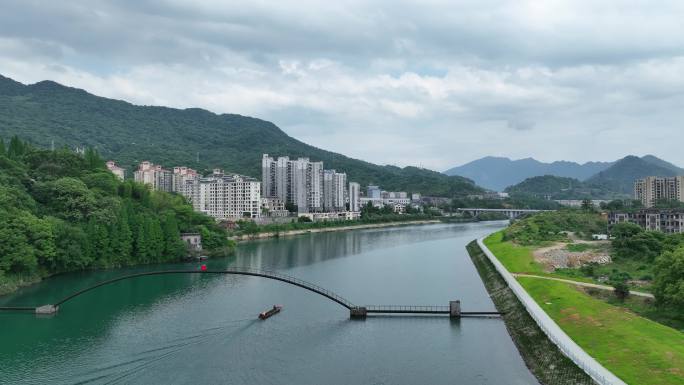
(266, 314)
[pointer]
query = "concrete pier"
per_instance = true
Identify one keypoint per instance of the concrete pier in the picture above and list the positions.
(46, 309)
(358, 312)
(455, 309)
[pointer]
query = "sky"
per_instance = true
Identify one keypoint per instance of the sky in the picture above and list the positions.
(431, 83)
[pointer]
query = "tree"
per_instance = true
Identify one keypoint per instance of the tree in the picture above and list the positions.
(93, 160)
(16, 148)
(71, 247)
(122, 239)
(668, 283)
(291, 207)
(155, 238)
(587, 205)
(174, 247)
(68, 198)
(619, 283)
(3, 150)
(142, 246)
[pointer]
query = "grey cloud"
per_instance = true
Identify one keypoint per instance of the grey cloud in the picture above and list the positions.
(419, 78)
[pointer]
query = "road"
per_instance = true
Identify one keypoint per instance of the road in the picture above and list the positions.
(584, 284)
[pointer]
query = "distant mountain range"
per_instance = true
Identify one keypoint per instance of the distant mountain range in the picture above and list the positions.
(616, 181)
(497, 173)
(612, 177)
(49, 113)
(620, 176)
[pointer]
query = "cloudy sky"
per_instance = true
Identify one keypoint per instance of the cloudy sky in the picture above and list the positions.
(430, 83)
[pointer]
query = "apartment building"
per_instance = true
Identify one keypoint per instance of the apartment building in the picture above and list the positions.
(304, 183)
(154, 175)
(651, 189)
(223, 196)
(186, 183)
(667, 221)
(354, 196)
(334, 190)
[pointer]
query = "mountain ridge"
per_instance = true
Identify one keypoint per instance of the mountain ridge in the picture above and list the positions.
(48, 111)
(497, 173)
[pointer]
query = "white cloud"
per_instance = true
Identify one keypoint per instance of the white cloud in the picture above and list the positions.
(432, 83)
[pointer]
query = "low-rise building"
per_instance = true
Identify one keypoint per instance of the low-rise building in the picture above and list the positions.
(332, 216)
(116, 170)
(193, 241)
(273, 207)
(667, 221)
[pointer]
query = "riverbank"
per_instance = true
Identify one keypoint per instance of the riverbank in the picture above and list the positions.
(634, 348)
(543, 358)
(275, 234)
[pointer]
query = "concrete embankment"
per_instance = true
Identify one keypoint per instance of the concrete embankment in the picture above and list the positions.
(249, 237)
(542, 357)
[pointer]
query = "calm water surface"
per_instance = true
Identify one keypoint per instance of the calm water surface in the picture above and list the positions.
(203, 329)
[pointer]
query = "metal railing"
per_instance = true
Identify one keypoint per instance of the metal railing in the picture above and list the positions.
(406, 309)
(291, 279)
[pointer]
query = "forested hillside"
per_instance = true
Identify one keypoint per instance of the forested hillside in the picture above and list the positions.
(621, 175)
(556, 187)
(46, 111)
(64, 212)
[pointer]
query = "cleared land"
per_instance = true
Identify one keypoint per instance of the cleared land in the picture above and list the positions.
(638, 350)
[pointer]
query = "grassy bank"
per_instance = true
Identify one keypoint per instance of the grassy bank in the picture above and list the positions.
(636, 349)
(542, 357)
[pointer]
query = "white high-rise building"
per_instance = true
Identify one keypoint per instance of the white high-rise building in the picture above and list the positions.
(298, 181)
(186, 183)
(314, 187)
(268, 177)
(354, 196)
(154, 175)
(334, 190)
(229, 196)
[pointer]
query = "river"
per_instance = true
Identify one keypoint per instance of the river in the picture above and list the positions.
(192, 329)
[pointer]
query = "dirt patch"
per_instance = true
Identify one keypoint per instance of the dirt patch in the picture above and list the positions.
(558, 256)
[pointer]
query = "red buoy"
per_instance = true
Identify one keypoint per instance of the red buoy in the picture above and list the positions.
(203, 268)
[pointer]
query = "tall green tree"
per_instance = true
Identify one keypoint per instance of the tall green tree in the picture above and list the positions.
(156, 239)
(3, 150)
(174, 247)
(668, 285)
(142, 244)
(122, 239)
(16, 147)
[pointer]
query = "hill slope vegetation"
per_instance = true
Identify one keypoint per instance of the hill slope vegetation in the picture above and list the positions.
(47, 111)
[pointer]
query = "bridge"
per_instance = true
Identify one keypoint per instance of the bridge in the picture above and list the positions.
(454, 308)
(510, 213)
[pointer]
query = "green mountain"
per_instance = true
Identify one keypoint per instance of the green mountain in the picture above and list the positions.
(556, 187)
(621, 175)
(48, 112)
(662, 163)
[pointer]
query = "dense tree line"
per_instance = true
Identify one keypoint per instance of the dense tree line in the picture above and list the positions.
(63, 212)
(664, 252)
(553, 226)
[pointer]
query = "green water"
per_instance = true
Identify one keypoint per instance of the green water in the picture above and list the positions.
(192, 329)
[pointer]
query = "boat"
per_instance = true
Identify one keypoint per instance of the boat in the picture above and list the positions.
(266, 314)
